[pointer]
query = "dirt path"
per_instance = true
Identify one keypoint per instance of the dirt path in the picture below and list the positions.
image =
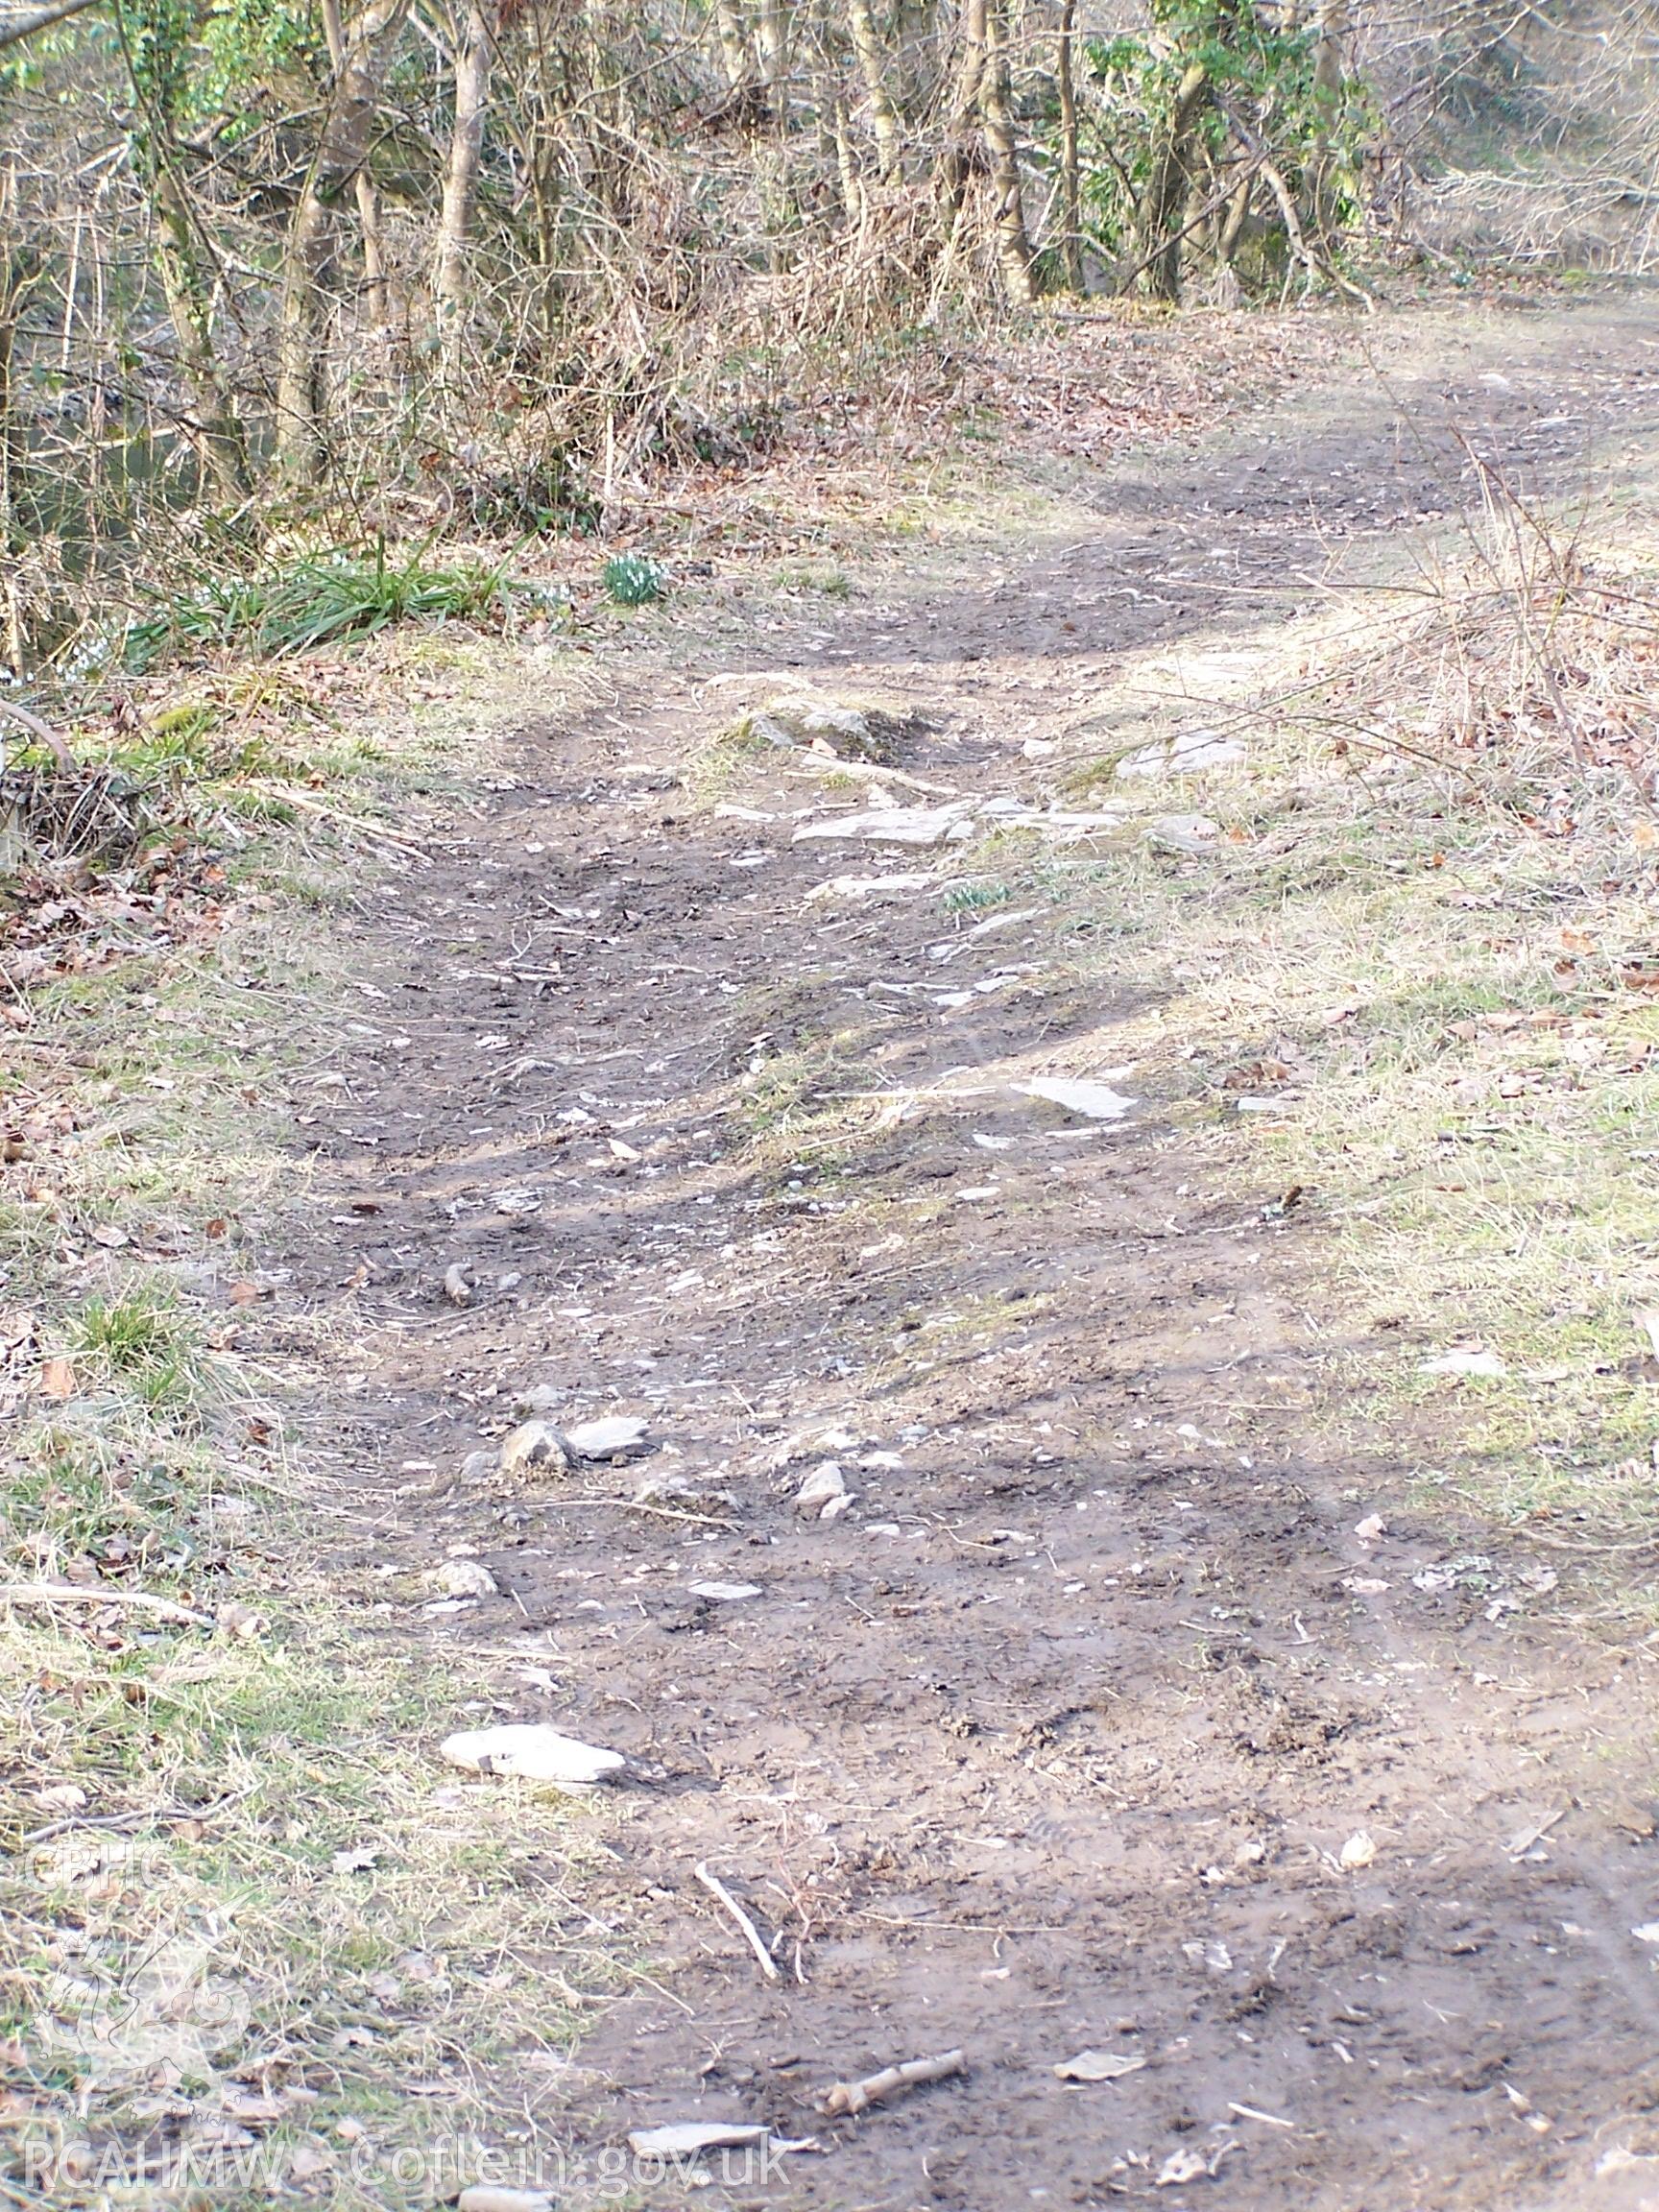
(1054, 1740)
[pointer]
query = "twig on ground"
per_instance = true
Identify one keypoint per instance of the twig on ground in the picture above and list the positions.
(164, 1814)
(36, 727)
(359, 822)
(639, 1505)
(752, 1934)
(71, 1594)
(848, 2097)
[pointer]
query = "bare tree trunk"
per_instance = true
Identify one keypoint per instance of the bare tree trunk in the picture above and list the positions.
(882, 116)
(845, 167)
(774, 40)
(342, 147)
(25, 26)
(217, 435)
(734, 46)
(1013, 240)
(1070, 183)
(1164, 202)
(16, 278)
(960, 150)
(375, 288)
(1331, 33)
(452, 279)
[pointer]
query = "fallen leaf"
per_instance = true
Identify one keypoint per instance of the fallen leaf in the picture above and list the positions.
(356, 1861)
(1359, 1851)
(239, 1620)
(57, 1379)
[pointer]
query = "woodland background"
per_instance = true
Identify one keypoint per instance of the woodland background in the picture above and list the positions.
(412, 267)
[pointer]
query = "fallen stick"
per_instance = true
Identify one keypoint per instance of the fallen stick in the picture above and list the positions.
(638, 1506)
(32, 723)
(71, 1594)
(846, 2096)
(869, 772)
(717, 1888)
(289, 797)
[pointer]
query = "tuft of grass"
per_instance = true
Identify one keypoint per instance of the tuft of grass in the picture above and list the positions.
(242, 1902)
(144, 1342)
(311, 599)
(631, 579)
(977, 898)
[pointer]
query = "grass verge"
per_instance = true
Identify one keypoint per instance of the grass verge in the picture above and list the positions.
(251, 1936)
(1411, 988)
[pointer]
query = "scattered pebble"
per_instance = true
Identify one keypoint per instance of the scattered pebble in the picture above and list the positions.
(1098, 2066)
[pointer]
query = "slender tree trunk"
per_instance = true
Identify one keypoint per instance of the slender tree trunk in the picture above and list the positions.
(374, 289)
(1164, 202)
(845, 167)
(1330, 32)
(960, 148)
(883, 118)
(452, 279)
(734, 45)
(342, 147)
(1071, 181)
(17, 277)
(774, 40)
(1013, 240)
(218, 434)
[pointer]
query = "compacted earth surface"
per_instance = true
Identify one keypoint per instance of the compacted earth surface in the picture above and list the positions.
(1116, 1710)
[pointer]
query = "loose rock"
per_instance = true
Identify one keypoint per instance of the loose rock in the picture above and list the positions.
(686, 2138)
(534, 1444)
(466, 1579)
(1098, 2066)
(1098, 1101)
(531, 1753)
(824, 1494)
(1183, 832)
(800, 722)
(605, 1440)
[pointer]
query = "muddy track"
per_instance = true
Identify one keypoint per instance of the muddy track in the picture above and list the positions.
(1053, 1741)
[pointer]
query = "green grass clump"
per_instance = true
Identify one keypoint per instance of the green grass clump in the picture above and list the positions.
(143, 1341)
(312, 599)
(631, 579)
